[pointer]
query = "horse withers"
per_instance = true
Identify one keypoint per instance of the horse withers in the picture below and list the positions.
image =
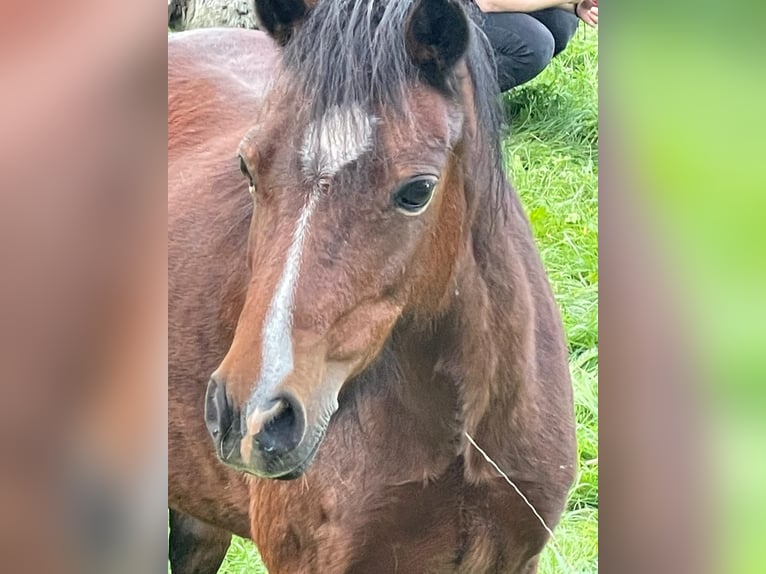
(337, 332)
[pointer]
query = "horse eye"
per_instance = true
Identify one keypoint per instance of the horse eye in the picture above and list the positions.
(246, 173)
(414, 195)
(244, 170)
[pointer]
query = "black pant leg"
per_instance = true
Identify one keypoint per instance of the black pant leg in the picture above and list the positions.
(561, 23)
(523, 46)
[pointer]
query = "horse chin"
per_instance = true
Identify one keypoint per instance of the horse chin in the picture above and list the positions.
(297, 471)
(302, 467)
(292, 475)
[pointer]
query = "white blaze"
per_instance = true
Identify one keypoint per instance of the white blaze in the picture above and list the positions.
(277, 351)
(339, 138)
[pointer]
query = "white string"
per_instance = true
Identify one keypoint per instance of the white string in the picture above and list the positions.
(509, 481)
(524, 498)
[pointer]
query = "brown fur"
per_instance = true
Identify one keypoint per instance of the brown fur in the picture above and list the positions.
(468, 338)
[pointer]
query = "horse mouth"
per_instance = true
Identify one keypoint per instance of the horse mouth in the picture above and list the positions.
(284, 467)
(302, 467)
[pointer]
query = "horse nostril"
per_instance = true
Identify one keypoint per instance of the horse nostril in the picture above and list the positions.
(282, 423)
(282, 427)
(217, 412)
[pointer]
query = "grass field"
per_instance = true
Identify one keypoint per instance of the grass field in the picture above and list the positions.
(552, 154)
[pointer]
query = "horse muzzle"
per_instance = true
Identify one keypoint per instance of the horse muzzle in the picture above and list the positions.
(273, 437)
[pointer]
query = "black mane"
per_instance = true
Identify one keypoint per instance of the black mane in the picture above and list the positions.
(353, 52)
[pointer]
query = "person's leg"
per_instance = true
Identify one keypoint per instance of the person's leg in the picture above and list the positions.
(523, 46)
(561, 23)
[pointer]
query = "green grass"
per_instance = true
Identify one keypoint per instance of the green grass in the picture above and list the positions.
(242, 559)
(552, 154)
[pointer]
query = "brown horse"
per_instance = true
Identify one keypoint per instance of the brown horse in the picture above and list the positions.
(376, 296)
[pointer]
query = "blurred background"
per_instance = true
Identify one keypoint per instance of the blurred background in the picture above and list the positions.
(682, 141)
(682, 339)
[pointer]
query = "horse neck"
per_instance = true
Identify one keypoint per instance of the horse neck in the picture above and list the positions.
(500, 335)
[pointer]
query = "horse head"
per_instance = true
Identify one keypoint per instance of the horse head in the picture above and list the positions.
(363, 202)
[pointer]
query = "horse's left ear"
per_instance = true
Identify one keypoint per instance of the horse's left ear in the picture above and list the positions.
(280, 17)
(436, 37)
(176, 13)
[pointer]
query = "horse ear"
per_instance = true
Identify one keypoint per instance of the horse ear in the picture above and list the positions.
(280, 17)
(176, 12)
(436, 37)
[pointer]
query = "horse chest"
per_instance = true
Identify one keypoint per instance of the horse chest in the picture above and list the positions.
(410, 529)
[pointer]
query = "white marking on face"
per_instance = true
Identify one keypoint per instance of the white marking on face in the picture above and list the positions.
(277, 351)
(338, 139)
